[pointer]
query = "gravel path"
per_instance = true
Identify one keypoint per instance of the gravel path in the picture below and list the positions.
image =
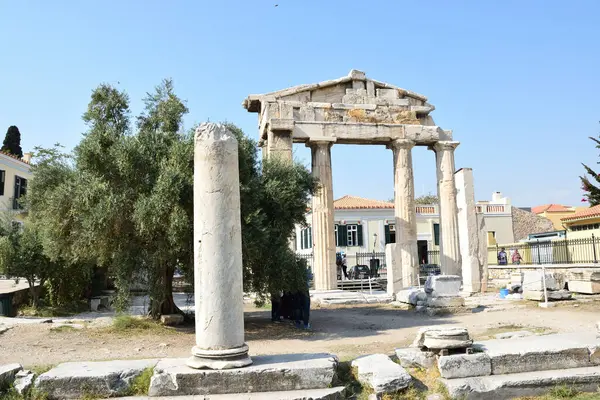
(347, 331)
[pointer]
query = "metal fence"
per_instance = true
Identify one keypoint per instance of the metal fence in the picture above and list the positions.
(373, 260)
(308, 257)
(565, 251)
(433, 257)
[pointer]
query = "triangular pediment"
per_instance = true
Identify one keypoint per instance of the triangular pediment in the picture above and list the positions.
(336, 91)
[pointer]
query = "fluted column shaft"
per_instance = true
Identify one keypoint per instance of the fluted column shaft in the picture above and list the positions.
(450, 259)
(325, 275)
(405, 213)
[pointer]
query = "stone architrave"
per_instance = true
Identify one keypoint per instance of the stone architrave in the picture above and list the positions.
(405, 213)
(450, 260)
(217, 252)
(323, 228)
(279, 144)
(468, 233)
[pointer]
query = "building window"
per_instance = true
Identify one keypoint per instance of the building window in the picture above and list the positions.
(436, 234)
(390, 233)
(578, 228)
(20, 191)
(2, 179)
(306, 238)
(491, 238)
(354, 235)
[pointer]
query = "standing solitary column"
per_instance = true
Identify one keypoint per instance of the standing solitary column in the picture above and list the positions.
(404, 210)
(325, 273)
(450, 261)
(217, 252)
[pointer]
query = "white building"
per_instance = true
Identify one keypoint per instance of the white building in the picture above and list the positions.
(366, 226)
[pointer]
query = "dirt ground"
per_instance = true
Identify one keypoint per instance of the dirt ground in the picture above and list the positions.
(347, 331)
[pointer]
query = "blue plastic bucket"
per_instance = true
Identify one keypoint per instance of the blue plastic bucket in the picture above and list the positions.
(503, 293)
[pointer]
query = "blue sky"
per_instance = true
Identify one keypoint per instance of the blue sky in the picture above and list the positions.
(517, 81)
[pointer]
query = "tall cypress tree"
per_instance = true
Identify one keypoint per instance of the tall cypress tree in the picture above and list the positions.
(591, 191)
(12, 142)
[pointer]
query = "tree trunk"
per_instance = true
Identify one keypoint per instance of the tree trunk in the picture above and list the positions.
(166, 305)
(33, 293)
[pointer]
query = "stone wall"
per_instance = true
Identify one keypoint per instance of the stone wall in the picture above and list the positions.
(499, 275)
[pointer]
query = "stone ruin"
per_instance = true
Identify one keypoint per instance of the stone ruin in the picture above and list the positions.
(356, 109)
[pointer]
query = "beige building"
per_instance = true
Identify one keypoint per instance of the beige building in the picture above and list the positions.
(364, 225)
(556, 213)
(15, 173)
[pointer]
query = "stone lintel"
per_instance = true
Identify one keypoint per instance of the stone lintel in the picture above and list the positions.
(365, 132)
(278, 124)
(422, 110)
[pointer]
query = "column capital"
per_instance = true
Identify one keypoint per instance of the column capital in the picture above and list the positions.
(324, 140)
(401, 144)
(444, 145)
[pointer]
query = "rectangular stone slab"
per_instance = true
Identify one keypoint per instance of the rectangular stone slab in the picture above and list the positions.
(72, 380)
(172, 377)
(511, 386)
(587, 287)
(336, 393)
(539, 353)
(465, 365)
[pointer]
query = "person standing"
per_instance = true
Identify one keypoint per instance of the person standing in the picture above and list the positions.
(502, 258)
(303, 303)
(516, 257)
(345, 266)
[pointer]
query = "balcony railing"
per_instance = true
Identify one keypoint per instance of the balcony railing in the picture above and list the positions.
(433, 209)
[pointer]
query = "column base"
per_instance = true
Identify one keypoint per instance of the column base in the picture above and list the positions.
(219, 359)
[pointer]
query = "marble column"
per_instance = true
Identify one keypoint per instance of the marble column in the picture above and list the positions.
(405, 213)
(450, 260)
(217, 252)
(323, 230)
(280, 144)
(468, 231)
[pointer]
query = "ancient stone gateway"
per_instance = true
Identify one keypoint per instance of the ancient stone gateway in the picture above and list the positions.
(358, 110)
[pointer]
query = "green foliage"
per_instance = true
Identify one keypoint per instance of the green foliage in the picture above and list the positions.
(21, 255)
(564, 392)
(141, 383)
(12, 142)
(591, 192)
(124, 201)
(427, 199)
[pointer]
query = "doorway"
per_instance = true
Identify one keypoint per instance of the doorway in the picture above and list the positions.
(422, 252)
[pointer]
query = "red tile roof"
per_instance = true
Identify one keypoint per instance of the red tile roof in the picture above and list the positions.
(13, 156)
(551, 208)
(583, 214)
(357, 203)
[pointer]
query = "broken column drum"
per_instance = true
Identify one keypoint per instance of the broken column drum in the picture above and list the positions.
(217, 252)
(355, 109)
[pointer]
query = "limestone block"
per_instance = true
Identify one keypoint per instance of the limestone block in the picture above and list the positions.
(538, 383)
(23, 383)
(442, 337)
(438, 302)
(538, 295)
(443, 285)
(72, 380)
(539, 353)
(172, 377)
(587, 287)
(8, 373)
(391, 94)
(409, 295)
(412, 357)
(513, 335)
(516, 278)
(533, 280)
(584, 275)
(380, 373)
(464, 365)
(171, 319)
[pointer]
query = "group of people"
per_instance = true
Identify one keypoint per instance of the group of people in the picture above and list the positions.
(503, 257)
(294, 306)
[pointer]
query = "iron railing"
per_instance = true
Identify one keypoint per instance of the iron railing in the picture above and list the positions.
(308, 257)
(433, 257)
(374, 260)
(562, 251)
